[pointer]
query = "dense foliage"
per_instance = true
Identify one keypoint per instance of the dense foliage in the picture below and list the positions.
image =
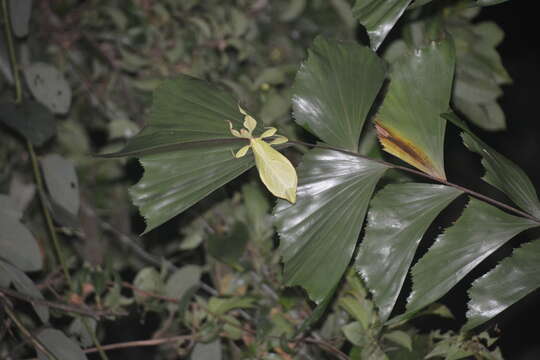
(223, 271)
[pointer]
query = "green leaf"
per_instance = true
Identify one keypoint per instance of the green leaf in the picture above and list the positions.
(360, 309)
(182, 281)
(147, 279)
(185, 148)
(62, 183)
(505, 175)
(401, 338)
(293, 10)
(186, 110)
(479, 71)
(210, 351)
(317, 313)
(355, 333)
(379, 17)
(319, 233)
(514, 278)
(451, 349)
(399, 216)
(62, 347)
(174, 181)
(230, 247)
(49, 87)
(489, 2)
(334, 90)
(481, 229)
(257, 212)
(488, 116)
(17, 244)
(220, 306)
(24, 285)
(19, 11)
(78, 330)
(408, 122)
(31, 119)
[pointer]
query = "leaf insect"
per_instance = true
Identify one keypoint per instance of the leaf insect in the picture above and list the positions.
(275, 170)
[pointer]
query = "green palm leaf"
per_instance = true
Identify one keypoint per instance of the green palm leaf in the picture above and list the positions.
(319, 233)
(379, 17)
(514, 278)
(479, 231)
(398, 218)
(334, 90)
(500, 171)
(185, 149)
(174, 181)
(408, 122)
(185, 110)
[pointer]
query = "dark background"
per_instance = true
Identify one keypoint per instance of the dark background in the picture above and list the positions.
(521, 57)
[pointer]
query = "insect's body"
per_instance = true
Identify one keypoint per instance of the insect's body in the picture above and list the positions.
(275, 170)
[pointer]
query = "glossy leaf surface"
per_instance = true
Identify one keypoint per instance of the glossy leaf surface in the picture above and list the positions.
(379, 17)
(479, 231)
(174, 181)
(185, 149)
(319, 233)
(398, 217)
(505, 175)
(514, 278)
(186, 110)
(334, 90)
(408, 122)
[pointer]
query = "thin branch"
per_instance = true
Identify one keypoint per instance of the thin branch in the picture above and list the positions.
(141, 343)
(31, 338)
(94, 313)
(329, 347)
(308, 340)
(422, 174)
(41, 189)
(11, 50)
(137, 343)
(47, 215)
(129, 242)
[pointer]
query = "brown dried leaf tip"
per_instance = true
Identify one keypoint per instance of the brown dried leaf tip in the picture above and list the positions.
(407, 151)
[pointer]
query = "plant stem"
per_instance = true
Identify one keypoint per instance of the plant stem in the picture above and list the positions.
(56, 242)
(27, 332)
(47, 215)
(86, 311)
(422, 174)
(11, 50)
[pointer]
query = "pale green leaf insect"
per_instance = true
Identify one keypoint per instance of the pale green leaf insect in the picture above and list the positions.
(275, 170)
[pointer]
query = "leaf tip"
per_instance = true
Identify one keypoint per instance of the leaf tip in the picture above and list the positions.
(405, 150)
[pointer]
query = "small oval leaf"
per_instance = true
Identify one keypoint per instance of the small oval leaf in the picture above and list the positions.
(59, 345)
(49, 87)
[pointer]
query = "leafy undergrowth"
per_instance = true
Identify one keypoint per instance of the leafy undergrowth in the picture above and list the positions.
(215, 274)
